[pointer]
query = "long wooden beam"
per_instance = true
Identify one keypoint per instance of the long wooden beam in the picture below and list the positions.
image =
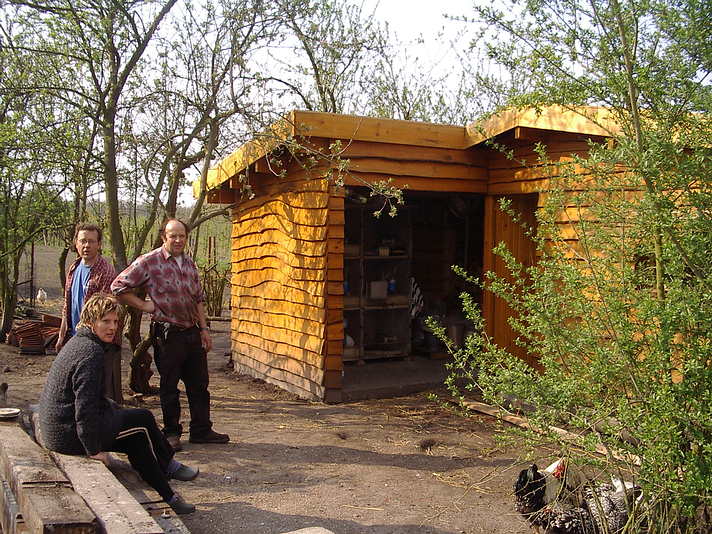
(44, 494)
(115, 508)
(584, 120)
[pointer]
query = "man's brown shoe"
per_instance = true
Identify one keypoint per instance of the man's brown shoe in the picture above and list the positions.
(175, 443)
(210, 437)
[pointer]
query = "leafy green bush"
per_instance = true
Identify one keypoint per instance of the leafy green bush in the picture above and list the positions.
(626, 358)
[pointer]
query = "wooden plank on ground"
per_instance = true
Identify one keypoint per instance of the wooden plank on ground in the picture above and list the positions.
(152, 503)
(115, 508)
(11, 521)
(45, 497)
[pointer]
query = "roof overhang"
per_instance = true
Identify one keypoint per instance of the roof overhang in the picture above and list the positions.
(593, 121)
(307, 124)
(589, 120)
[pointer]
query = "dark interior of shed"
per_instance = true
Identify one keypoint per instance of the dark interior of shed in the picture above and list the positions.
(398, 271)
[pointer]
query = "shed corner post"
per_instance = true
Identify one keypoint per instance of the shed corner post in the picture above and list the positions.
(488, 262)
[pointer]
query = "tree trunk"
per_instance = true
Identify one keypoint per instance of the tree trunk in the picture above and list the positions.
(111, 181)
(63, 267)
(141, 358)
(9, 303)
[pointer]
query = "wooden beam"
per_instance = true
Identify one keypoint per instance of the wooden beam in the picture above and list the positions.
(221, 196)
(488, 261)
(44, 494)
(117, 511)
(11, 520)
(151, 502)
(352, 127)
(587, 120)
(261, 166)
(418, 183)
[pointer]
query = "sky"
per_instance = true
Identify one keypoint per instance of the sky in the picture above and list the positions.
(412, 17)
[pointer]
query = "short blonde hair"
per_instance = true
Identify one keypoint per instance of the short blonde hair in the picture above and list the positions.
(98, 305)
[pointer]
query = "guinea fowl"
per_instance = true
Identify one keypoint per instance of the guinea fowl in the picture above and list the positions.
(571, 505)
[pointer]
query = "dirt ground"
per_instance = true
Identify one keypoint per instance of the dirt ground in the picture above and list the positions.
(403, 465)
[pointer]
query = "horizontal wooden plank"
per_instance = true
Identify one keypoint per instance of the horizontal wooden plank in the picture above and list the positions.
(336, 275)
(334, 363)
(316, 247)
(310, 392)
(272, 241)
(290, 229)
(335, 231)
(361, 149)
(273, 262)
(417, 183)
(335, 331)
(303, 341)
(315, 359)
(221, 196)
(56, 510)
(589, 120)
(537, 172)
(296, 309)
(271, 290)
(335, 347)
(272, 252)
(335, 302)
(298, 194)
(150, 500)
(269, 274)
(401, 132)
(280, 317)
(335, 260)
(335, 245)
(528, 157)
(336, 217)
(425, 169)
(514, 188)
(312, 215)
(115, 508)
(44, 494)
(281, 362)
(336, 203)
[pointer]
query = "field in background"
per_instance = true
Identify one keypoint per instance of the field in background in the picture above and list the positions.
(213, 236)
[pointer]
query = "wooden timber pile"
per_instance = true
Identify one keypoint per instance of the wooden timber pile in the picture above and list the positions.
(45, 492)
(35, 336)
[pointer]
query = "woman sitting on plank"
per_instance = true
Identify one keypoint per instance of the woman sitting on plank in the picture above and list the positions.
(76, 417)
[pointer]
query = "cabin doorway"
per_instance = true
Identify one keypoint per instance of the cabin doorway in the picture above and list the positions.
(397, 272)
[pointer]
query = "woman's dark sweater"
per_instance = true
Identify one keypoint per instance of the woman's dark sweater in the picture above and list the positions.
(75, 417)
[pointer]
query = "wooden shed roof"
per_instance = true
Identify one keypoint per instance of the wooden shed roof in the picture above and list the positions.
(589, 120)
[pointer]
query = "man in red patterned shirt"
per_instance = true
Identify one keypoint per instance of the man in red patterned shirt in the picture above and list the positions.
(91, 273)
(179, 328)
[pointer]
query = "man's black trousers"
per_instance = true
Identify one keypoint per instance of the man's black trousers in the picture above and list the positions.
(179, 355)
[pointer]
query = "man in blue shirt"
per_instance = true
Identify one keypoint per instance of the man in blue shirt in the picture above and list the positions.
(90, 273)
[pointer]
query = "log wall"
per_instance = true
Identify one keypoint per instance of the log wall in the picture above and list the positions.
(278, 286)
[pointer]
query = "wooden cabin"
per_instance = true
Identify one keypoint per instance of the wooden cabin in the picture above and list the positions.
(319, 282)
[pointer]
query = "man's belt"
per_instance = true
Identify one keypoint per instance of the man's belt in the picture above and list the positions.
(160, 331)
